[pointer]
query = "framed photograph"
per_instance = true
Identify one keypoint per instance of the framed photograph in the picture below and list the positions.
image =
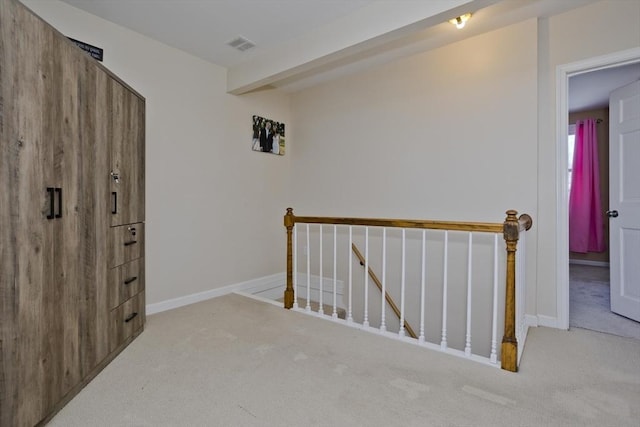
(268, 136)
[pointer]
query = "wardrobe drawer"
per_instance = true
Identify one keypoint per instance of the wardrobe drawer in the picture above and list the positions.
(125, 320)
(125, 281)
(126, 243)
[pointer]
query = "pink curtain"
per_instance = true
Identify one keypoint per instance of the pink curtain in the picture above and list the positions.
(585, 213)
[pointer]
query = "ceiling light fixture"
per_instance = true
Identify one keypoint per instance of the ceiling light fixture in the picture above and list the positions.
(460, 21)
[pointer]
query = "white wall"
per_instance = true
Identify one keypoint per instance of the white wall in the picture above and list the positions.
(436, 135)
(422, 136)
(595, 30)
(448, 134)
(214, 207)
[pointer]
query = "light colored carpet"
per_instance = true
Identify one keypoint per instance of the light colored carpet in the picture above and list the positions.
(590, 306)
(235, 361)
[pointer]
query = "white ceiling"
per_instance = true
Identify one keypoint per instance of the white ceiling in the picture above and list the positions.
(302, 42)
(203, 27)
(591, 90)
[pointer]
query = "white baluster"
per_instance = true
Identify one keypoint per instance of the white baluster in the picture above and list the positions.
(422, 284)
(518, 281)
(335, 274)
(295, 266)
(383, 324)
(308, 307)
(320, 302)
(520, 289)
(349, 313)
(523, 283)
(467, 347)
(443, 342)
(494, 322)
(365, 322)
(520, 292)
(401, 332)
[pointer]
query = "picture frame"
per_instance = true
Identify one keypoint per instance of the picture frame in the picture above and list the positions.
(268, 136)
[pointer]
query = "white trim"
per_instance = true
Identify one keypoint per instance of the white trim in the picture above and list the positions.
(259, 298)
(548, 321)
(531, 320)
(250, 286)
(588, 262)
(563, 72)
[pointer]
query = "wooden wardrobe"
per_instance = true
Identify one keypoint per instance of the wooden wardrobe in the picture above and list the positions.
(72, 210)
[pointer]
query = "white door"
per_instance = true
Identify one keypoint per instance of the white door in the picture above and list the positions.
(624, 199)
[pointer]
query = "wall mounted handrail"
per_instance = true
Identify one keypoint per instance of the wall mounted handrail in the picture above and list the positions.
(512, 229)
(390, 300)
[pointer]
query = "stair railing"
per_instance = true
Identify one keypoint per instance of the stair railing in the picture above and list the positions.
(513, 229)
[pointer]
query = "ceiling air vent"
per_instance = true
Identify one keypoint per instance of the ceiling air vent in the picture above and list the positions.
(241, 44)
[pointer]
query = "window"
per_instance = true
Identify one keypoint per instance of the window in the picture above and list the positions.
(571, 141)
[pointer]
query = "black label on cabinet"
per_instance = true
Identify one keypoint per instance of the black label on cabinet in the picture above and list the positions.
(95, 52)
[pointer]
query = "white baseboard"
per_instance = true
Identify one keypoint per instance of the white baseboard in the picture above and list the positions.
(250, 286)
(270, 291)
(547, 321)
(534, 321)
(259, 298)
(531, 320)
(587, 262)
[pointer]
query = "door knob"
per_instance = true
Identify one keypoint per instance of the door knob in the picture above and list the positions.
(612, 214)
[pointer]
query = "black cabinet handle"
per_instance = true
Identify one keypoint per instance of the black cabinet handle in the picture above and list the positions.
(59, 191)
(132, 242)
(130, 280)
(114, 194)
(130, 317)
(51, 215)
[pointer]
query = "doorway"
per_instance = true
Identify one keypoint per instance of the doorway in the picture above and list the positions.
(589, 284)
(581, 272)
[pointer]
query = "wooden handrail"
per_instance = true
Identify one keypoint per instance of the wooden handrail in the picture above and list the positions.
(511, 229)
(390, 300)
(487, 227)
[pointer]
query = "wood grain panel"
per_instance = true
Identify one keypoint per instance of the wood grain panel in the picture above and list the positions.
(94, 130)
(127, 319)
(125, 281)
(69, 245)
(126, 243)
(26, 155)
(127, 136)
(56, 325)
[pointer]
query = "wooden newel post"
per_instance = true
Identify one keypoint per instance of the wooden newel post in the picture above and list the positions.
(288, 292)
(509, 342)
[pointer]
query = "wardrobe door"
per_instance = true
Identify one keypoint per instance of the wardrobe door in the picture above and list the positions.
(94, 202)
(28, 295)
(126, 137)
(67, 248)
(81, 218)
